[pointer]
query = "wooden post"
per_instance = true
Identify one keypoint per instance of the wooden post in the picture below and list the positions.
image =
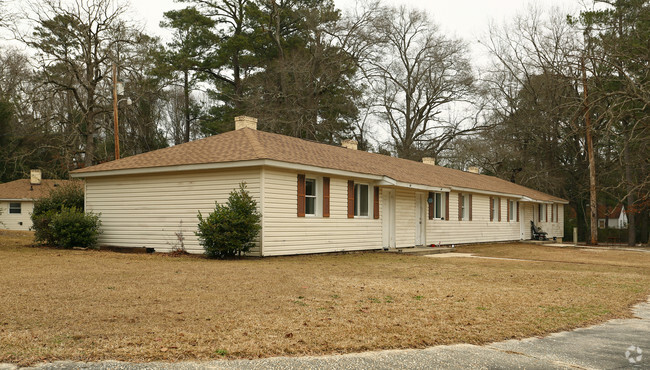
(115, 125)
(592, 162)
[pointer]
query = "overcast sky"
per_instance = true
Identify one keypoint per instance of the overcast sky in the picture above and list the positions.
(467, 19)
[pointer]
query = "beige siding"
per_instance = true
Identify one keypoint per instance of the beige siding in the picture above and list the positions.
(148, 210)
(12, 221)
(286, 233)
(480, 229)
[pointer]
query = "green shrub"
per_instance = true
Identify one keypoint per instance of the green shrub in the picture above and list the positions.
(74, 228)
(231, 228)
(65, 196)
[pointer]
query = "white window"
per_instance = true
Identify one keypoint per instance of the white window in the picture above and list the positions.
(361, 200)
(601, 224)
(437, 205)
(513, 210)
(15, 208)
(464, 207)
(495, 209)
(310, 197)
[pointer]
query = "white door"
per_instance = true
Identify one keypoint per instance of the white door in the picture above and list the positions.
(420, 217)
(388, 218)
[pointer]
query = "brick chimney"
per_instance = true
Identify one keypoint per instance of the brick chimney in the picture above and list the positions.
(35, 177)
(473, 169)
(245, 122)
(350, 144)
(429, 160)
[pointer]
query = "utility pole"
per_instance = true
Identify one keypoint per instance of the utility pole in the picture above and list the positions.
(115, 125)
(593, 205)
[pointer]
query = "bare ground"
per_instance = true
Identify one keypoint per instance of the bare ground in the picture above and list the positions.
(91, 305)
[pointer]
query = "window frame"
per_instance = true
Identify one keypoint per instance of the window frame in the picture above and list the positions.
(315, 197)
(513, 210)
(12, 208)
(357, 200)
(495, 209)
(438, 202)
(464, 207)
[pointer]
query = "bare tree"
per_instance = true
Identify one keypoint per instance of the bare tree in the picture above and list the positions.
(418, 73)
(75, 43)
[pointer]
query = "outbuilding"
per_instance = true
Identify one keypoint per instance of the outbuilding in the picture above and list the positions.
(313, 197)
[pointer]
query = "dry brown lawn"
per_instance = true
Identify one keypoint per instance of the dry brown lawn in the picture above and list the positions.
(90, 305)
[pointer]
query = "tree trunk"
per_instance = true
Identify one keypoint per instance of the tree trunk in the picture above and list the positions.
(631, 199)
(90, 139)
(186, 106)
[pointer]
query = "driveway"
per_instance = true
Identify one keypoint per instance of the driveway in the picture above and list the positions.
(617, 344)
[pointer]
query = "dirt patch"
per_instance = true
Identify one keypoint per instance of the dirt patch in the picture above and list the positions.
(98, 305)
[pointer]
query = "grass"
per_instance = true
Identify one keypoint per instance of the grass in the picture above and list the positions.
(94, 305)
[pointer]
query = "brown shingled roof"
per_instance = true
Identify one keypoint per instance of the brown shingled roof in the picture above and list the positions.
(249, 144)
(22, 189)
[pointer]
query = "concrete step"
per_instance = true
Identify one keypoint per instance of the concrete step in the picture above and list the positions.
(421, 251)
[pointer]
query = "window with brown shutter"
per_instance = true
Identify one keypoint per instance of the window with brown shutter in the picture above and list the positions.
(546, 213)
(557, 213)
(375, 205)
(517, 211)
(447, 195)
(350, 199)
(430, 200)
(470, 207)
(301, 195)
(552, 212)
(499, 205)
(491, 209)
(326, 196)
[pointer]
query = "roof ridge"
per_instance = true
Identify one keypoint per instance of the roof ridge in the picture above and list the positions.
(258, 149)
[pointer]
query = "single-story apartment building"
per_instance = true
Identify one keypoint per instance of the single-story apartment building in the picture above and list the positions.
(17, 200)
(313, 197)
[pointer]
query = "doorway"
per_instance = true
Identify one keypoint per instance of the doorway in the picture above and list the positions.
(420, 218)
(388, 215)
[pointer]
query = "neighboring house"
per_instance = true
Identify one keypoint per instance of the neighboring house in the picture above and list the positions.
(313, 197)
(612, 218)
(17, 201)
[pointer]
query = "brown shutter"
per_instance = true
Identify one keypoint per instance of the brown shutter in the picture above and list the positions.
(301, 195)
(430, 205)
(557, 213)
(517, 211)
(499, 205)
(447, 195)
(470, 207)
(326, 196)
(350, 199)
(460, 206)
(491, 209)
(375, 208)
(508, 211)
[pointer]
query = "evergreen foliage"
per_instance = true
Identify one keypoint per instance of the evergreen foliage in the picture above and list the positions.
(231, 228)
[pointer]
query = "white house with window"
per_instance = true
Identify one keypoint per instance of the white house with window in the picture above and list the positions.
(17, 200)
(313, 197)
